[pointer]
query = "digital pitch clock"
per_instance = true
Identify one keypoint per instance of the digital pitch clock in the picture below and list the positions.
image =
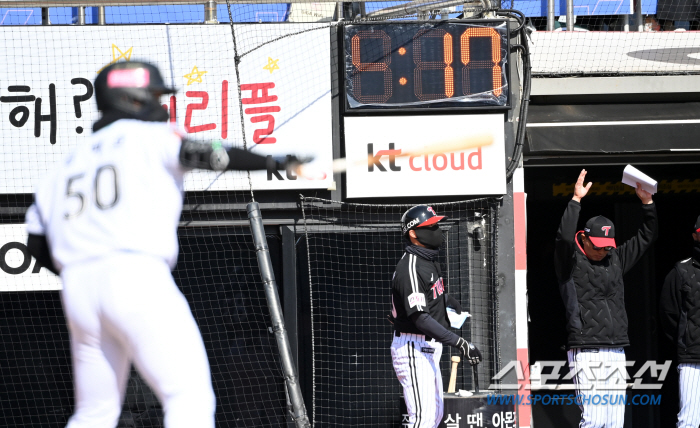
(406, 65)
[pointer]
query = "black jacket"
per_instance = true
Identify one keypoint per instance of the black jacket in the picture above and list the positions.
(593, 292)
(680, 308)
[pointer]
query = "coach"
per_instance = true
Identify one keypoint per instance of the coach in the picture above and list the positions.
(680, 317)
(589, 267)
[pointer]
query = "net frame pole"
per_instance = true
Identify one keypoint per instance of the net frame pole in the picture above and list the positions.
(273, 301)
(569, 15)
(550, 15)
(210, 16)
(80, 15)
(101, 17)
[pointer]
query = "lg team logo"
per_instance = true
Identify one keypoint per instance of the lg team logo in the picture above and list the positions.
(438, 288)
(427, 162)
(606, 229)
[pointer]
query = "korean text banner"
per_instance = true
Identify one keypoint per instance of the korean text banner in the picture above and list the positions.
(47, 102)
(377, 166)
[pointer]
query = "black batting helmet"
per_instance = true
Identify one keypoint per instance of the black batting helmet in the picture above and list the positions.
(419, 216)
(130, 87)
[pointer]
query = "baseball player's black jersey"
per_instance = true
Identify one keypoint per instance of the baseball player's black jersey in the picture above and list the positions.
(417, 286)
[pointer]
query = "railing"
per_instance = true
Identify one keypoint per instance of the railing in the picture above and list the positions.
(210, 15)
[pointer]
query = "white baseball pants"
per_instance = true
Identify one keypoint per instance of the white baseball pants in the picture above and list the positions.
(126, 308)
(689, 395)
(417, 365)
(607, 365)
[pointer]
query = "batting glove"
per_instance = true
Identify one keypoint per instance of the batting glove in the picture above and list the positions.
(469, 351)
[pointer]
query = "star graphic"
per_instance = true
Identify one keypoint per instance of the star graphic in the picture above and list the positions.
(126, 55)
(194, 76)
(271, 65)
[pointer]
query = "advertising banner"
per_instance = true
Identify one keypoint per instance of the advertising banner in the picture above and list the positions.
(18, 270)
(47, 101)
(375, 148)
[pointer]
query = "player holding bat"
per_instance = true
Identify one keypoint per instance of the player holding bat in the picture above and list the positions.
(106, 220)
(419, 315)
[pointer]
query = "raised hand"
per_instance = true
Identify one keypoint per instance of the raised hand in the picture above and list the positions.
(643, 194)
(579, 189)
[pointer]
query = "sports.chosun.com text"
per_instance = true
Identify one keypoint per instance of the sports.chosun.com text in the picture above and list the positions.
(571, 399)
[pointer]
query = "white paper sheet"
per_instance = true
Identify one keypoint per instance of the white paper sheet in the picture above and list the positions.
(631, 176)
(456, 320)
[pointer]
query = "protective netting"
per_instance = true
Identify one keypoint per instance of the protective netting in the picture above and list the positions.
(352, 252)
(612, 37)
(244, 85)
(218, 273)
(264, 78)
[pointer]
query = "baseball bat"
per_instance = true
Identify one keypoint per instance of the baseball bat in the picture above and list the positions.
(455, 145)
(476, 379)
(453, 374)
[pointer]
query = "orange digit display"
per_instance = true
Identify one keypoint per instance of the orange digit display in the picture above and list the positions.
(406, 66)
(470, 64)
(422, 65)
(381, 66)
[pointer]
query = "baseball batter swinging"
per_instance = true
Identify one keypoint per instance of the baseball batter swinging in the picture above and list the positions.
(106, 221)
(419, 316)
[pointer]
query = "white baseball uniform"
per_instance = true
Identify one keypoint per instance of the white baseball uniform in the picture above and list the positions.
(417, 366)
(609, 385)
(110, 213)
(688, 381)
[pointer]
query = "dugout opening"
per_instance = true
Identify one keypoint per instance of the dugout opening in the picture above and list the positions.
(548, 189)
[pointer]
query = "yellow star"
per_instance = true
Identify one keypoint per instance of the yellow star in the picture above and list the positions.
(271, 65)
(194, 76)
(125, 55)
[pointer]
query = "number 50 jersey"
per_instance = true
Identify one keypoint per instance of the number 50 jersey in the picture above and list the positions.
(121, 190)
